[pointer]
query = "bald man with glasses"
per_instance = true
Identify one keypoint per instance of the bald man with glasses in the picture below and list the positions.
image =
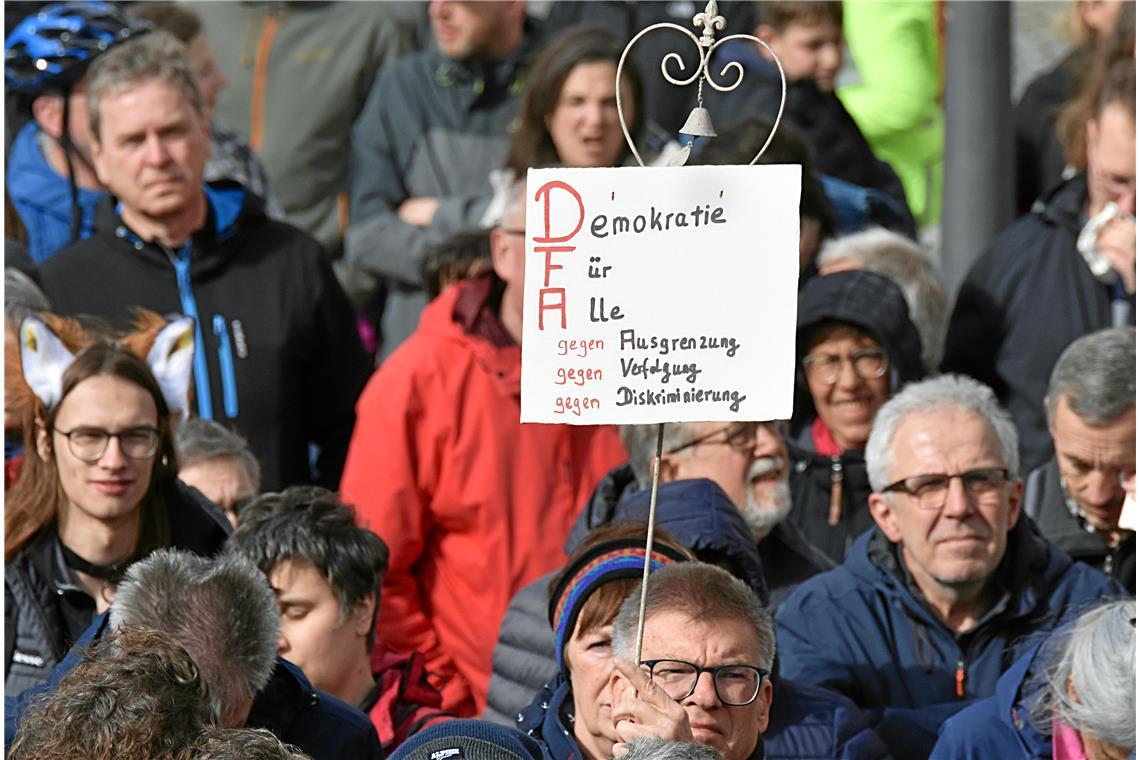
(950, 586)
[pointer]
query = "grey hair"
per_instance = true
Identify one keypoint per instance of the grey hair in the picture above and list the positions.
(1097, 373)
(942, 392)
(656, 748)
(1098, 654)
(242, 744)
(895, 256)
(198, 440)
(702, 592)
(155, 55)
(221, 610)
(641, 446)
(516, 203)
(22, 296)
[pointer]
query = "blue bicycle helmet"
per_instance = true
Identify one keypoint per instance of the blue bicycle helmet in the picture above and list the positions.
(52, 49)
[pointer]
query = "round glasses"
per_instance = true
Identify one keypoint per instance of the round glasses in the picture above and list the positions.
(931, 491)
(869, 363)
(90, 444)
(735, 685)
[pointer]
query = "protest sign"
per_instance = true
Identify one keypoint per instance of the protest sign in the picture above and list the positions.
(660, 294)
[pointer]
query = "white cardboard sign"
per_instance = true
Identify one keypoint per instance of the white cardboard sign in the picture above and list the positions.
(660, 294)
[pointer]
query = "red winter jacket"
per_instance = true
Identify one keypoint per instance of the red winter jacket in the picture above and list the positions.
(472, 504)
(403, 702)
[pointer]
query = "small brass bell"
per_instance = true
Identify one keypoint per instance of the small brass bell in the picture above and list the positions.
(699, 123)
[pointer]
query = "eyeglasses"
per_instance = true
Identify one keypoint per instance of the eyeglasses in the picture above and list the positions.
(90, 444)
(508, 231)
(869, 363)
(735, 685)
(930, 491)
(739, 435)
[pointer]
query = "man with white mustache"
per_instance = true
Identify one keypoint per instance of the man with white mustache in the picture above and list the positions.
(749, 461)
(949, 587)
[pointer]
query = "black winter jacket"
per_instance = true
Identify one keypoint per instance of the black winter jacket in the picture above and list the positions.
(1040, 158)
(45, 610)
(1024, 301)
(281, 360)
(1045, 501)
(873, 303)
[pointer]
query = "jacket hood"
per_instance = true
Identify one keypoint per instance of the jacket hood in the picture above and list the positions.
(599, 510)
(699, 515)
(1064, 205)
(869, 301)
(502, 363)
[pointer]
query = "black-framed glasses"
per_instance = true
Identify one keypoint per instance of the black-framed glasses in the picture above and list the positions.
(869, 363)
(509, 231)
(735, 685)
(90, 444)
(738, 435)
(931, 491)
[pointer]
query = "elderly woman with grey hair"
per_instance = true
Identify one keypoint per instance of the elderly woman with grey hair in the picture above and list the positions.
(1072, 698)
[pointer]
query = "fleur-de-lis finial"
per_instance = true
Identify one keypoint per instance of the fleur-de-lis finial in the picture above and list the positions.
(711, 21)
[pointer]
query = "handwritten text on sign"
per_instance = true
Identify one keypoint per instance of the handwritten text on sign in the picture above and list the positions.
(660, 294)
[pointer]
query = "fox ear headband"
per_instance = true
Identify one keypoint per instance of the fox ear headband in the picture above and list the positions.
(45, 357)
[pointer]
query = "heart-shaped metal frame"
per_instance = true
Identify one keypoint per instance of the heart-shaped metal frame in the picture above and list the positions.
(711, 22)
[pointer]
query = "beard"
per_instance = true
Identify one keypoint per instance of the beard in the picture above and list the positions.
(762, 518)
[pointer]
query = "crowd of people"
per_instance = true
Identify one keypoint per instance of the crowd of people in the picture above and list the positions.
(267, 491)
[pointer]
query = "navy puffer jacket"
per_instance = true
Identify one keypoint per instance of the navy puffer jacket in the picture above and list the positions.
(883, 647)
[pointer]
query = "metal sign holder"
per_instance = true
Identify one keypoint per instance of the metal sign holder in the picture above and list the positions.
(699, 124)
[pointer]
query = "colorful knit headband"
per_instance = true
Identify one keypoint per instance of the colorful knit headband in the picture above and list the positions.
(606, 562)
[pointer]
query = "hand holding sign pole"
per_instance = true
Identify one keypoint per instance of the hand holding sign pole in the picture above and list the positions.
(663, 294)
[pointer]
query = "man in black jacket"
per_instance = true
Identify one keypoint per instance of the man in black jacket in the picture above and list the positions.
(281, 360)
(1042, 284)
(1076, 497)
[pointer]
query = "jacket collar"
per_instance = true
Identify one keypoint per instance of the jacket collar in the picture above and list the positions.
(47, 557)
(1065, 205)
(487, 78)
(503, 364)
(228, 205)
(1026, 573)
(549, 718)
(1013, 694)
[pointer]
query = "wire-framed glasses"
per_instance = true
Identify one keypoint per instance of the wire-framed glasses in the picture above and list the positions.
(738, 435)
(869, 363)
(90, 444)
(931, 491)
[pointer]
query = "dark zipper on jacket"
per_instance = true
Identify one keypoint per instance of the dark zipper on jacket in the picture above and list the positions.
(181, 262)
(226, 366)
